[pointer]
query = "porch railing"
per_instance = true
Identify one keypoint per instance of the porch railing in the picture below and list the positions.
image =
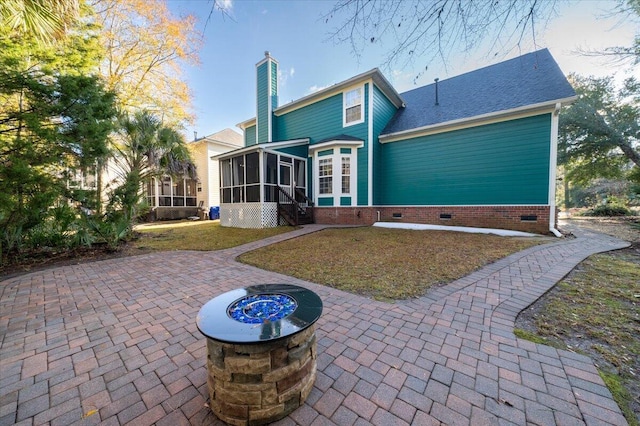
(295, 210)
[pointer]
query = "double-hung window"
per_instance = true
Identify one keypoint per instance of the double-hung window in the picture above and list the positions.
(346, 175)
(325, 173)
(352, 101)
(335, 176)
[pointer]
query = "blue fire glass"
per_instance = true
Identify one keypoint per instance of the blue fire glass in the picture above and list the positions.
(262, 308)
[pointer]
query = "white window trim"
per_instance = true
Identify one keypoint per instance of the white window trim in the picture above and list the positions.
(344, 106)
(348, 157)
(321, 159)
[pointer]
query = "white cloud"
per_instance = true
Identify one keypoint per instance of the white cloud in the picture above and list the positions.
(404, 80)
(282, 78)
(292, 71)
(224, 5)
(315, 88)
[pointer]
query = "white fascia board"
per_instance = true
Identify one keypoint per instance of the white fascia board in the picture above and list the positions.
(247, 123)
(220, 143)
(328, 144)
(262, 147)
(387, 89)
(273, 151)
(237, 152)
(478, 120)
(374, 74)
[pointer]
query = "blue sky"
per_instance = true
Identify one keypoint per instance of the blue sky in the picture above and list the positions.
(223, 85)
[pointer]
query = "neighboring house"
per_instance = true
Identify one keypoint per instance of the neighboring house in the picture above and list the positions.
(478, 150)
(208, 168)
(172, 198)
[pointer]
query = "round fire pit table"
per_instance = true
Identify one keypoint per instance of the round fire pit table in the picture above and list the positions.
(261, 351)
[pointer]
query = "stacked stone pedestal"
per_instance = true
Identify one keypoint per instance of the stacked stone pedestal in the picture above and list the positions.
(259, 383)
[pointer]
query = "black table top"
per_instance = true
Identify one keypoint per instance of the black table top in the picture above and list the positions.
(215, 321)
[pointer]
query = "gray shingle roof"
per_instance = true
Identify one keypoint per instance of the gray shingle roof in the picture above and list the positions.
(526, 80)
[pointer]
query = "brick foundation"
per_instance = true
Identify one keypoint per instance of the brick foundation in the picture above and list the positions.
(517, 218)
(259, 383)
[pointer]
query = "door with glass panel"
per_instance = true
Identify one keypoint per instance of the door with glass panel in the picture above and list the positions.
(286, 181)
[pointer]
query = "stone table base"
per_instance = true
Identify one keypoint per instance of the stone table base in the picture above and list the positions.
(259, 383)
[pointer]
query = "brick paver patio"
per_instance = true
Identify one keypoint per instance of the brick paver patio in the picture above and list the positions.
(115, 342)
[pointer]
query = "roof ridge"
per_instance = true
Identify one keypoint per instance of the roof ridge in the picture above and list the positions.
(486, 67)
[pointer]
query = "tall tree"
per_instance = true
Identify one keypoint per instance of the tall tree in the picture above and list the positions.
(430, 30)
(600, 132)
(146, 148)
(145, 49)
(54, 117)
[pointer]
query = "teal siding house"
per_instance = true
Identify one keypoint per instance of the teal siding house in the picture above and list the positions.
(475, 150)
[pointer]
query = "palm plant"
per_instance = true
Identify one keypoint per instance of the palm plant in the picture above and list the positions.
(47, 20)
(145, 148)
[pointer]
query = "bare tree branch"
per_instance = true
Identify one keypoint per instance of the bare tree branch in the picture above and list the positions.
(433, 30)
(626, 10)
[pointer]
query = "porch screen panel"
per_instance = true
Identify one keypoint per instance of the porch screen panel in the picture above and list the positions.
(178, 193)
(271, 177)
(252, 162)
(165, 192)
(272, 169)
(225, 181)
(300, 178)
(151, 192)
(190, 192)
(300, 174)
(237, 171)
(253, 168)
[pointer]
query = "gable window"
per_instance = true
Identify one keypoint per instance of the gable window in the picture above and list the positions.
(352, 101)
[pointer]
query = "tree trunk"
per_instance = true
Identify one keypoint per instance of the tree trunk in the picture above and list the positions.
(629, 152)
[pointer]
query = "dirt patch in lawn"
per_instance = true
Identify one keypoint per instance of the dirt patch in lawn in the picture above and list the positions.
(626, 227)
(382, 263)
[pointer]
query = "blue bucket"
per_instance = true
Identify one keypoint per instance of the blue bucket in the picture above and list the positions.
(214, 213)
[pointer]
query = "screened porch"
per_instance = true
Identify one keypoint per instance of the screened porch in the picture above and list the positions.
(249, 182)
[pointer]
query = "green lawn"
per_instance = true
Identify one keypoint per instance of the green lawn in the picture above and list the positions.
(199, 235)
(385, 263)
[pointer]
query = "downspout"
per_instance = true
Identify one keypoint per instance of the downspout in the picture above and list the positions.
(370, 148)
(553, 163)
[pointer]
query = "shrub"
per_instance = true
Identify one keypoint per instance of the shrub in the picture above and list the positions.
(613, 206)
